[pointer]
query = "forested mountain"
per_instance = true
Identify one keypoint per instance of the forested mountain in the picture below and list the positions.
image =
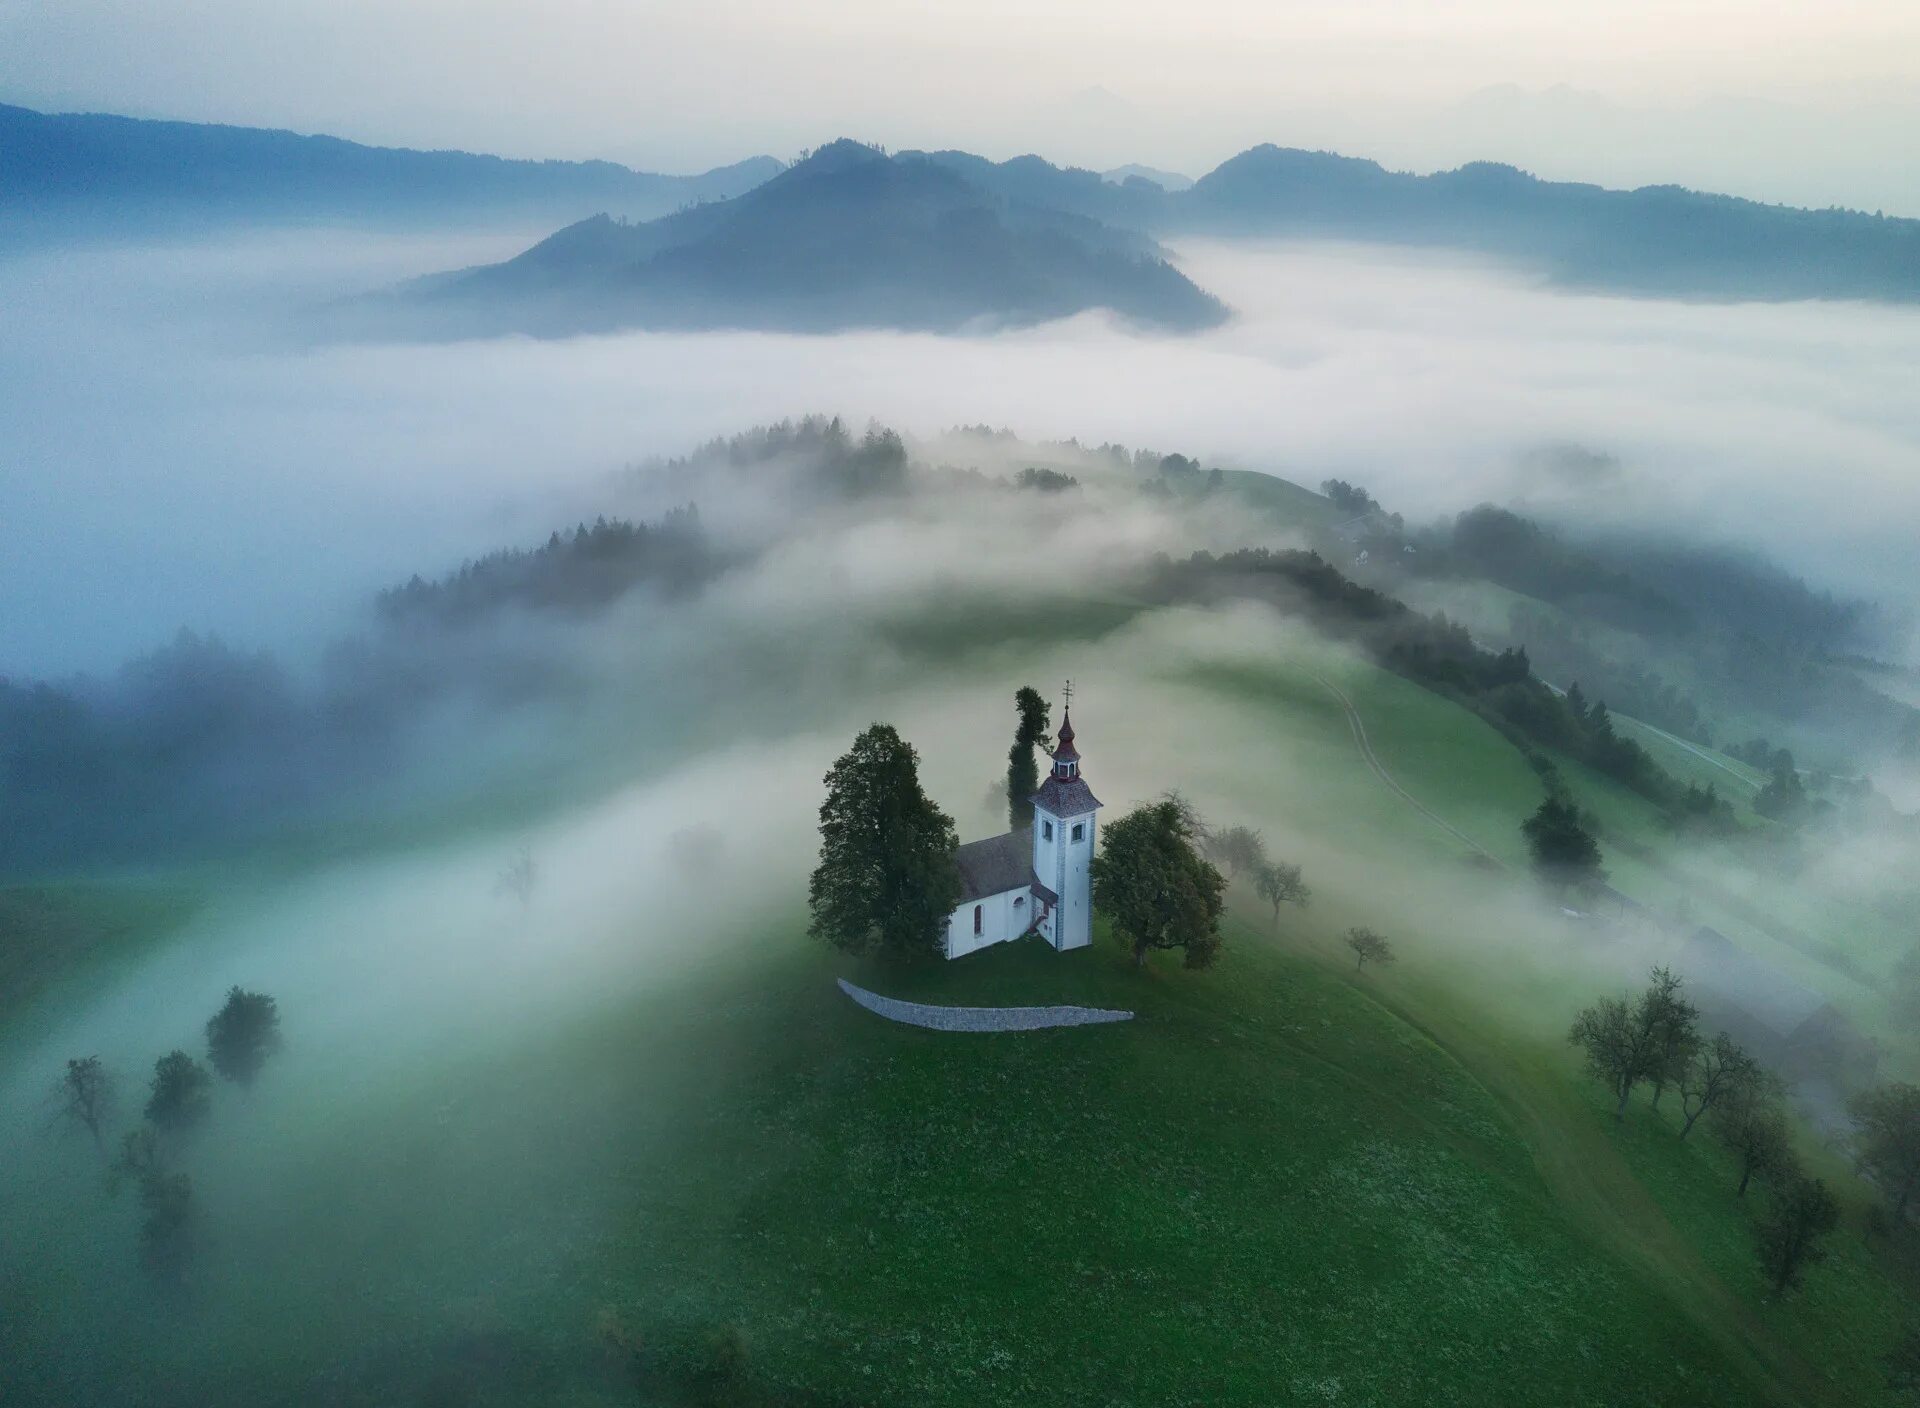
(1655, 240)
(127, 174)
(848, 237)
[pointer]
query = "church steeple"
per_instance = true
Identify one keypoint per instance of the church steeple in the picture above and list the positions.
(1066, 758)
(1063, 827)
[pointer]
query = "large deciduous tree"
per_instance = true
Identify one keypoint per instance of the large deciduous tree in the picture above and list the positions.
(1023, 763)
(1280, 883)
(1241, 849)
(1565, 855)
(1368, 947)
(1886, 1123)
(886, 878)
(1803, 1210)
(243, 1034)
(1157, 890)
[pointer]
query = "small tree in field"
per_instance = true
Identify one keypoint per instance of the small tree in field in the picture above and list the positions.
(1886, 1124)
(242, 1034)
(180, 1095)
(1748, 1119)
(1156, 889)
(1368, 947)
(1565, 855)
(85, 1094)
(1241, 849)
(886, 877)
(1715, 1071)
(1802, 1212)
(1279, 883)
(1677, 1033)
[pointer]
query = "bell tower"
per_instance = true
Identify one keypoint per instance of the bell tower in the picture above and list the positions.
(1063, 827)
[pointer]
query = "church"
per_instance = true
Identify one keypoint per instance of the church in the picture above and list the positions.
(1034, 880)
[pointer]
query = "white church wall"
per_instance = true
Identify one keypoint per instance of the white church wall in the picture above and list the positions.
(1002, 917)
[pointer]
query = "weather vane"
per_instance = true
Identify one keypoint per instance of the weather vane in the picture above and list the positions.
(1068, 692)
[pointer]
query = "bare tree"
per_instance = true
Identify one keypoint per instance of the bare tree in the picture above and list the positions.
(1749, 1120)
(1715, 1070)
(85, 1095)
(1279, 883)
(1368, 946)
(1802, 1212)
(1886, 1123)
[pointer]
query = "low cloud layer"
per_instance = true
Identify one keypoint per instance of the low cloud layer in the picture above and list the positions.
(176, 455)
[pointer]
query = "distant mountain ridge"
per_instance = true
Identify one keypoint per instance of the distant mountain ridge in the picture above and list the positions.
(848, 237)
(1656, 240)
(94, 170)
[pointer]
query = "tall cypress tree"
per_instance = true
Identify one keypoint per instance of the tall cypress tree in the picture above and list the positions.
(1023, 768)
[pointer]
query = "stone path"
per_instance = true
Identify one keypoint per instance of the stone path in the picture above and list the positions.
(980, 1019)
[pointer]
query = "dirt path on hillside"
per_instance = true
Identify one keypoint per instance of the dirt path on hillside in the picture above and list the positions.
(1359, 728)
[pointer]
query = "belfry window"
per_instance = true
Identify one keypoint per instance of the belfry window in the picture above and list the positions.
(1080, 831)
(1046, 831)
(976, 918)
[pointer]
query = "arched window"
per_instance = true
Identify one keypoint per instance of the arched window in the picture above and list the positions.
(976, 919)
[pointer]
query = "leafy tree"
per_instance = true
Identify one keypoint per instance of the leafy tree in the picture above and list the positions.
(85, 1094)
(242, 1034)
(166, 1230)
(1280, 883)
(1749, 1120)
(1677, 1033)
(1886, 1123)
(1626, 1042)
(1239, 848)
(886, 877)
(1156, 888)
(1803, 1211)
(1564, 851)
(1714, 1071)
(1368, 946)
(180, 1095)
(1023, 768)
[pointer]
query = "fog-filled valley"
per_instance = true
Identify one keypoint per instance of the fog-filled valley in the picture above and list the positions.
(471, 697)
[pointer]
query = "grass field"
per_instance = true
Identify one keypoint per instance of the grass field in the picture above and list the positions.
(717, 1181)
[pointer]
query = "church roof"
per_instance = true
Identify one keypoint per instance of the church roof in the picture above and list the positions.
(1065, 796)
(995, 865)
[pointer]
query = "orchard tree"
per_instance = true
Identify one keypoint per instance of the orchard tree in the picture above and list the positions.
(1279, 883)
(886, 878)
(180, 1095)
(1717, 1070)
(1241, 849)
(85, 1094)
(1749, 1120)
(242, 1034)
(1157, 890)
(1368, 947)
(1677, 1032)
(1886, 1124)
(1565, 855)
(1802, 1212)
(1023, 766)
(1627, 1042)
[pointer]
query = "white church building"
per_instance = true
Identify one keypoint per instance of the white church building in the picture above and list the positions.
(1034, 880)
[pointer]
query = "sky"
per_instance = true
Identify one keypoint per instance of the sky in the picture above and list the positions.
(1807, 101)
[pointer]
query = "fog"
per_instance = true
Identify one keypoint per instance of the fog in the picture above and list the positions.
(179, 452)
